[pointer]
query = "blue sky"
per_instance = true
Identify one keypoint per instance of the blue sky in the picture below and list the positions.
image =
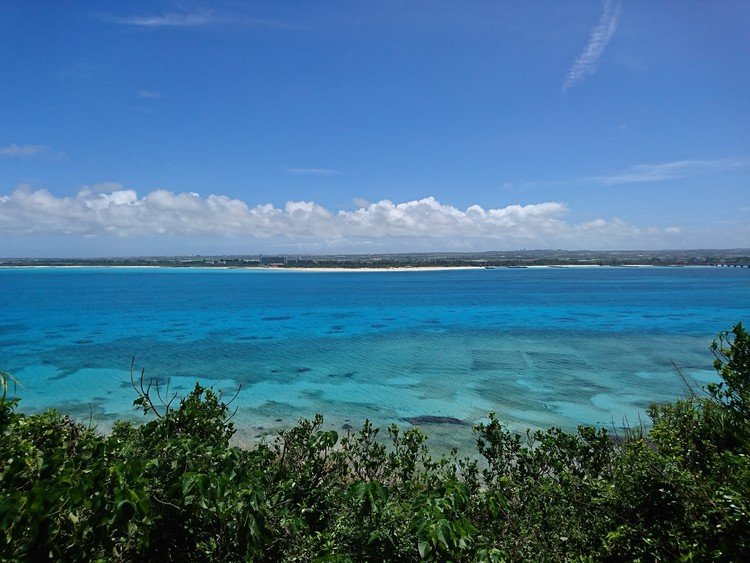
(238, 127)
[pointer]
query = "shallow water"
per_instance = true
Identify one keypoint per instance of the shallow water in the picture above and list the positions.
(540, 346)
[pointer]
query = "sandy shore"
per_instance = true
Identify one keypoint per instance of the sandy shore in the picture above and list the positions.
(259, 268)
(389, 269)
(336, 269)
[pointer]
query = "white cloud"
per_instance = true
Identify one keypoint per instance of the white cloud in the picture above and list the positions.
(163, 20)
(106, 187)
(22, 150)
(314, 171)
(121, 212)
(149, 94)
(190, 20)
(585, 64)
(667, 171)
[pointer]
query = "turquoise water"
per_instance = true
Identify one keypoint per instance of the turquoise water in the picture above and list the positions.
(540, 346)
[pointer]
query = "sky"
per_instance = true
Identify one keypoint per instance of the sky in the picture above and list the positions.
(181, 127)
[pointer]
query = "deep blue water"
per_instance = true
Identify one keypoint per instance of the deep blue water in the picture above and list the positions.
(540, 346)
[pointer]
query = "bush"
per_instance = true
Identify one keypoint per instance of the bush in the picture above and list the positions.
(174, 488)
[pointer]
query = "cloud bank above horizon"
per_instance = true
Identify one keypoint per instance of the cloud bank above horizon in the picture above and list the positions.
(110, 210)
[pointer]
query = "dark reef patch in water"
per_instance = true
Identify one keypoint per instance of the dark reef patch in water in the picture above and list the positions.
(81, 410)
(344, 315)
(480, 365)
(62, 375)
(347, 375)
(14, 342)
(427, 419)
(12, 328)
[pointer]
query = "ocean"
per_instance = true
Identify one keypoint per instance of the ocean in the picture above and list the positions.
(540, 347)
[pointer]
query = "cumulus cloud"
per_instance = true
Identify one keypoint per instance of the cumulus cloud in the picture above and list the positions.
(585, 64)
(111, 210)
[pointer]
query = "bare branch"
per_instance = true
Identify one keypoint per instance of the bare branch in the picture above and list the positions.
(143, 394)
(231, 416)
(683, 378)
(239, 388)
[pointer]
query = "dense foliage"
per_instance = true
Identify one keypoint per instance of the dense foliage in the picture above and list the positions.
(175, 489)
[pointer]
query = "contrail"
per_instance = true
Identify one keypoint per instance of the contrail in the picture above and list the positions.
(600, 36)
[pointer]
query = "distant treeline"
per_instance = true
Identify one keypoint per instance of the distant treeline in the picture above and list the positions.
(734, 258)
(174, 489)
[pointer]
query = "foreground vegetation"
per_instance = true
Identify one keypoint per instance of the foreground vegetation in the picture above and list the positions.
(174, 489)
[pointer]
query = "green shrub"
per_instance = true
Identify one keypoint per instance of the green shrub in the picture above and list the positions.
(174, 488)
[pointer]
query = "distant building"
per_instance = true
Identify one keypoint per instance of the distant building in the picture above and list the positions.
(269, 260)
(299, 261)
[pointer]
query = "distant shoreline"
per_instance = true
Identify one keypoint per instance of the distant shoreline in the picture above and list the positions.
(337, 269)
(405, 262)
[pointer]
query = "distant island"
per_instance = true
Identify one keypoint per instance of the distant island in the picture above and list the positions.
(498, 259)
